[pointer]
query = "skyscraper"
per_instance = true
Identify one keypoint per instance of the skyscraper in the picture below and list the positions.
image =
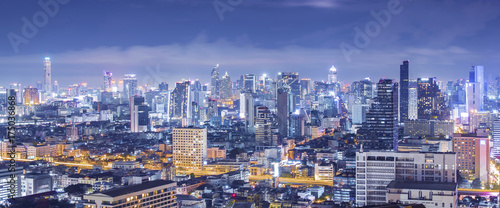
(139, 118)
(250, 82)
(476, 74)
(431, 102)
(404, 82)
(189, 148)
(412, 101)
(286, 106)
(108, 77)
(226, 87)
(263, 133)
(163, 86)
(290, 80)
(47, 68)
(473, 97)
(380, 131)
(332, 75)
(179, 100)
(129, 85)
(214, 84)
(247, 107)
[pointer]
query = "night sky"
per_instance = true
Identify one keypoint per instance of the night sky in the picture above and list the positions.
(167, 40)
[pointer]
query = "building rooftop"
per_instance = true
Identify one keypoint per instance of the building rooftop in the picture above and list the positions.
(422, 185)
(135, 188)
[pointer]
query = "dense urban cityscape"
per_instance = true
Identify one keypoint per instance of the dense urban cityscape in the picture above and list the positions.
(259, 117)
(264, 140)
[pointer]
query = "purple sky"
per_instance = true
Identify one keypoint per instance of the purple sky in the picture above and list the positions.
(170, 40)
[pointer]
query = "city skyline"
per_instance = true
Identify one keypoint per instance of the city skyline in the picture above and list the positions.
(444, 48)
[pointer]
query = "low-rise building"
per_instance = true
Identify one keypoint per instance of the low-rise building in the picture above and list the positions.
(430, 194)
(160, 193)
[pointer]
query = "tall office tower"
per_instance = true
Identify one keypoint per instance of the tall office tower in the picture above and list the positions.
(297, 124)
(226, 87)
(473, 153)
(17, 88)
(306, 87)
(380, 131)
(214, 84)
(404, 82)
(286, 106)
(362, 91)
(189, 148)
(55, 87)
(473, 97)
(212, 109)
(375, 170)
(290, 80)
(413, 101)
(476, 74)
(495, 150)
(247, 110)
(139, 115)
(332, 75)
(47, 68)
(179, 100)
(163, 86)
(250, 82)
(195, 114)
(328, 105)
(31, 96)
(359, 113)
(108, 77)
(129, 85)
(431, 102)
(263, 133)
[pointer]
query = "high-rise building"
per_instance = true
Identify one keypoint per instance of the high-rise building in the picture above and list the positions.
(247, 107)
(362, 91)
(413, 101)
(108, 77)
(189, 148)
(286, 106)
(139, 115)
(250, 82)
(431, 102)
(55, 87)
(263, 133)
(179, 100)
(495, 150)
(214, 84)
(332, 75)
(306, 87)
(47, 68)
(159, 193)
(476, 74)
(380, 131)
(290, 80)
(226, 87)
(404, 82)
(473, 155)
(31, 96)
(129, 85)
(163, 86)
(473, 97)
(359, 113)
(375, 170)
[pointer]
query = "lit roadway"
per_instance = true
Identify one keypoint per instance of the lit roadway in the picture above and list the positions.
(86, 166)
